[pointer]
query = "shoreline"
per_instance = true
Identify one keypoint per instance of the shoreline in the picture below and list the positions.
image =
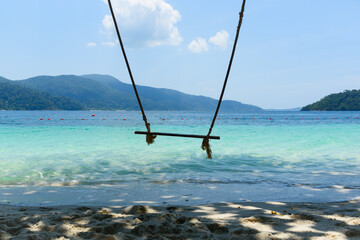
(167, 194)
(244, 220)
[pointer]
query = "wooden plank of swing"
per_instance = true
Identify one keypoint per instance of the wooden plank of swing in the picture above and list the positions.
(178, 135)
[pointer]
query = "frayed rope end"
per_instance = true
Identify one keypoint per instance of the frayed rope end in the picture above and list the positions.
(206, 146)
(150, 138)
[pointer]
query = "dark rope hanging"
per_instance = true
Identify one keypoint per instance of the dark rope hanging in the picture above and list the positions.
(149, 136)
(205, 144)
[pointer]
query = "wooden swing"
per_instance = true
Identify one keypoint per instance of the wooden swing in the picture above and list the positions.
(150, 136)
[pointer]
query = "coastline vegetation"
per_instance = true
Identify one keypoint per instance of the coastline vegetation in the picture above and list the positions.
(348, 100)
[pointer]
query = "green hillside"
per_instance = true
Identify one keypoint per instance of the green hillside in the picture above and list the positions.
(167, 99)
(345, 101)
(4, 80)
(89, 93)
(15, 97)
(104, 92)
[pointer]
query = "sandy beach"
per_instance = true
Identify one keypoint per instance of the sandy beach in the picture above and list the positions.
(267, 220)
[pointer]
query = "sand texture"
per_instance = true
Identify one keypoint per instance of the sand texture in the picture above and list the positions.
(271, 220)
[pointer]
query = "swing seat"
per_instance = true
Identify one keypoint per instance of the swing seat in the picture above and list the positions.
(178, 135)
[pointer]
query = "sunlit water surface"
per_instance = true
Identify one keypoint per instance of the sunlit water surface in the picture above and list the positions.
(284, 156)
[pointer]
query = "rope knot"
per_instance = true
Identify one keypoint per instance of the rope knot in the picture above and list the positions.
(206, 146)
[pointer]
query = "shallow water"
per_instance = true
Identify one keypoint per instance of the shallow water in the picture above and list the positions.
(287, 156)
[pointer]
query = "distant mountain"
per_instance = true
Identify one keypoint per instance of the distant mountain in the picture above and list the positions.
(167, 99)
(104, 92)
(15, 97)
(87, 92)
(344, 101)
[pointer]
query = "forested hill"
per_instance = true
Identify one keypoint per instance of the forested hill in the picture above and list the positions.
(104, 92)
(15, 97)
(344, 101)
(4, 80)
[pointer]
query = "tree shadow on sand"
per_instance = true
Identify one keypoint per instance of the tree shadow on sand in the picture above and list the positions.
(270, 220)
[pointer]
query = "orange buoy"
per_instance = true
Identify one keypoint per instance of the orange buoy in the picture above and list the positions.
(48, 119)
(41, 119)
(236, 118)
(93, 115)
(61, 119)
(182, 118)
(124, 119)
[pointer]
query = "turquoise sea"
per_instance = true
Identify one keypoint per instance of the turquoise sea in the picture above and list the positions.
(72, 157)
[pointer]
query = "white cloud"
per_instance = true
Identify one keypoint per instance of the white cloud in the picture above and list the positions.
(108, 23)
(145, 23)
(198, 45)
(109, 44)
(220, 39)
(91, 44)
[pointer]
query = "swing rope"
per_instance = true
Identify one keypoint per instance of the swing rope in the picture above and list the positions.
(149, 136)
(205, 144)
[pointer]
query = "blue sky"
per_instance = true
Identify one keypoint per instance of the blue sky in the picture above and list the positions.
(290, 53)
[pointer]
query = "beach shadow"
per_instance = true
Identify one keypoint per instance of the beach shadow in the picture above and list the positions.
(269, 220)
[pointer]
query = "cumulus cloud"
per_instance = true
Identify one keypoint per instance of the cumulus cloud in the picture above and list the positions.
(145, 23)
(220, 39)
(91, 44)
(198, 45)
